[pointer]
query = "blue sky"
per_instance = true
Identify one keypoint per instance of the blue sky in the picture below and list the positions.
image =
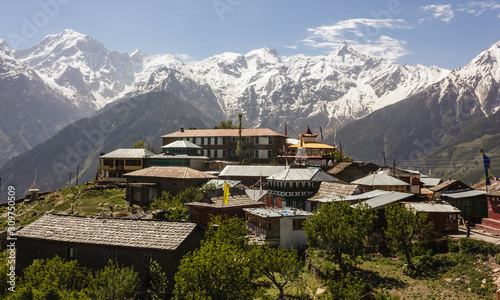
(447, 34)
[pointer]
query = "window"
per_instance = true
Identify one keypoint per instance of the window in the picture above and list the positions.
(269, 154)
(248, 139)
(216, 140)
(223, 141)
(234, 139)
(134, 162)
(270, 140)
(257, 140)
(202, 152)
(208, 152)
(224, 154)
(147, 258)
(107, 162)
(209, 140)
(36, 249)
(109, 254)
(215, 153)
(71, 252)
(298, 224)
(256, 153)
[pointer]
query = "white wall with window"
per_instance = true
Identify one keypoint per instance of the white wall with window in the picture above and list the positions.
(264, 154)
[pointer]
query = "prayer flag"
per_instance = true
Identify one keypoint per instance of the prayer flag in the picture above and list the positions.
(225, 199)
(487, 166)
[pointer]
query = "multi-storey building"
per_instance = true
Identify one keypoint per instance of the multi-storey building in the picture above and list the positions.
(259, 145)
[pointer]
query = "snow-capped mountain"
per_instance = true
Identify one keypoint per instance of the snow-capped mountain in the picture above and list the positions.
(265, 87)
(334, 89)
(30, 110)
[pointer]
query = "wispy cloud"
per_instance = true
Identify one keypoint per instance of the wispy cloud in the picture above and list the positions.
(292, 47)
(183, 56)
(477, 8)
(443, 12)
(364, 35)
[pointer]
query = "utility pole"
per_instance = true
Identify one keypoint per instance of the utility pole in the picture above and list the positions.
(77, 170)
(394, 166)
(383, 155)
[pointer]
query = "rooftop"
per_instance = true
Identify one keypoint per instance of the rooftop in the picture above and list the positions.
(114, 232)
(181, 144)
(277, 213)
(379, 179)
(301, 174)
(331, 190)
(222, 132)
(433, 207)
(387, 199)
(128, 153)
(251, 171)
(170, 172)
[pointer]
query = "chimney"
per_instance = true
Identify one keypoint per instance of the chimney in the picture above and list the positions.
(182, 129)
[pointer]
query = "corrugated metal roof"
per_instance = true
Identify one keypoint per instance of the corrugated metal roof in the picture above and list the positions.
(114, 232)
(386, 199)
(360, 197)
(302, 174)
(312, 146)
(223, 132)
(219, 183)
(431, 207)
(181, 144)
(379, 179)
(128, 153)
(277, 213)
(466, 194)
(430, 182)
(169, 172)
(251, 171)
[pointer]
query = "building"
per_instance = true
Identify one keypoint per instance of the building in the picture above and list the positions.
(444, 217)
(331, 190)
(450, 186)
(146, 184)
(113, 165)
(350, 171)
(409, 176)
(381, 181)
(311, 150)
(250, 175)
(278, 227)
(180, 154)
(93, 242)
(259, 145)
(472, 204)
(292, 186)
(491, 224)
(212, 205)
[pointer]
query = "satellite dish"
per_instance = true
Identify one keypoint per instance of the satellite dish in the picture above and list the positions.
(438, 195)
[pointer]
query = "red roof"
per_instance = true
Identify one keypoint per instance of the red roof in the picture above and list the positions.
(222, 132)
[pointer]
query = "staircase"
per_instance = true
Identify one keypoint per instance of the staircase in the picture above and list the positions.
(489, 225)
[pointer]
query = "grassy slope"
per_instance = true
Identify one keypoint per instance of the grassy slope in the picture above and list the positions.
(87, 203)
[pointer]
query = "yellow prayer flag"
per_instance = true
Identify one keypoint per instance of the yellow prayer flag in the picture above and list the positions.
(226, 193)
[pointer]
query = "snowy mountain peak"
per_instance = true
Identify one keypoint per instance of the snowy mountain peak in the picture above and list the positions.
(264, 55)
(345, 49)
(5, 48)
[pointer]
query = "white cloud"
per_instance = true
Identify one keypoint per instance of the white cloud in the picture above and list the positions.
(364, 35)
(443, 12)
(295, 47)
(477, 8)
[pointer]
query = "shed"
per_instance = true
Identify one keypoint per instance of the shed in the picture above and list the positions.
(472, 204)
(381, 181)
(93, 242)
(444, 217)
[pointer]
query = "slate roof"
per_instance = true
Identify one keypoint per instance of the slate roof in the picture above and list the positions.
(481, 185)
(113, 232)
(379, 179)
(128, 153)
(466, 194)
(215, 200)
(223, 132)
(430, 182)
(447, 184)
(251, 171)
(301, 174)
(331, 190)
(169, 172)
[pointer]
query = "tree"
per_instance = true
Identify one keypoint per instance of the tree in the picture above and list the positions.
(278, 265)
(226, 125)
(113, 282)
(221, 268)
(173, 206)
(340, 230)
(404, 227)
(159, 282)
(140, 144)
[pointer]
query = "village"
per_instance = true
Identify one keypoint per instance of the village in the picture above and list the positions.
(272, 182)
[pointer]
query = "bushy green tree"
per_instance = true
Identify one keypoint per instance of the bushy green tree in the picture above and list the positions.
(221, 268)
(404, 227)
(226, 125)
(340, 230)
(113, 282)
(279, 265)
(159, 282)
(173, 206)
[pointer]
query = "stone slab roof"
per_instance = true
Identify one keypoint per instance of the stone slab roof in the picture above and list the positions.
(128, 153)
(330, 190)
(113, 232)
(223, 132)
(170, 172)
